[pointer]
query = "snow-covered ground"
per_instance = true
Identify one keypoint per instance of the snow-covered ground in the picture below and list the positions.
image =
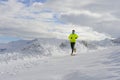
(89, 64)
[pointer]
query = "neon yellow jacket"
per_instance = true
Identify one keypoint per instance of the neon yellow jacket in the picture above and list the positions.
(73, 37)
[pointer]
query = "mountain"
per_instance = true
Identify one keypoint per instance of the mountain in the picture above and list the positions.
(44, 47)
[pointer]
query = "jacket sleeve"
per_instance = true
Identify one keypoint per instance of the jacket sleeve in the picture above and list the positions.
(76, 36)
(69, 37)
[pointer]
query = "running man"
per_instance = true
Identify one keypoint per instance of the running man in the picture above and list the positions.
(72, 37)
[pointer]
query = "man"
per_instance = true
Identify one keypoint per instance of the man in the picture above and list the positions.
(72, 37)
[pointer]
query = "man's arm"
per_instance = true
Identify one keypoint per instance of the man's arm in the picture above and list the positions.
(69, 37)
(76, 36)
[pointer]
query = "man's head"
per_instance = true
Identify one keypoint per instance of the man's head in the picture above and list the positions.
(73, 31)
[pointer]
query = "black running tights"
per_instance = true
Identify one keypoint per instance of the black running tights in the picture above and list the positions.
(72, 46)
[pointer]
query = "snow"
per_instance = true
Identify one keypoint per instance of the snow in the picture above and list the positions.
(88, 64)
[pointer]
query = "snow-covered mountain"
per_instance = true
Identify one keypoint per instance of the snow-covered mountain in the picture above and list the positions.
(48, 47)
(34, 48)
(37, 45)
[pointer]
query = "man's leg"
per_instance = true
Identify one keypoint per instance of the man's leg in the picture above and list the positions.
(72, 47)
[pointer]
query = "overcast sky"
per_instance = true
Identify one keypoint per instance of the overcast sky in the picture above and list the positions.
(29, 19)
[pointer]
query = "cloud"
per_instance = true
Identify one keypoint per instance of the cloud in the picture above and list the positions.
(84, 18)
(110, 27)
(90, 13)
(67, 5)
(56, 18)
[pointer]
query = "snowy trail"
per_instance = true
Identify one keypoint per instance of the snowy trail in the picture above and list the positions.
(98, 65)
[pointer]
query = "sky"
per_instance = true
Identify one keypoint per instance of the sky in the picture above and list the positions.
(29, 19)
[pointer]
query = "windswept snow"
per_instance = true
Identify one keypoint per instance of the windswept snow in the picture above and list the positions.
(34, 64)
